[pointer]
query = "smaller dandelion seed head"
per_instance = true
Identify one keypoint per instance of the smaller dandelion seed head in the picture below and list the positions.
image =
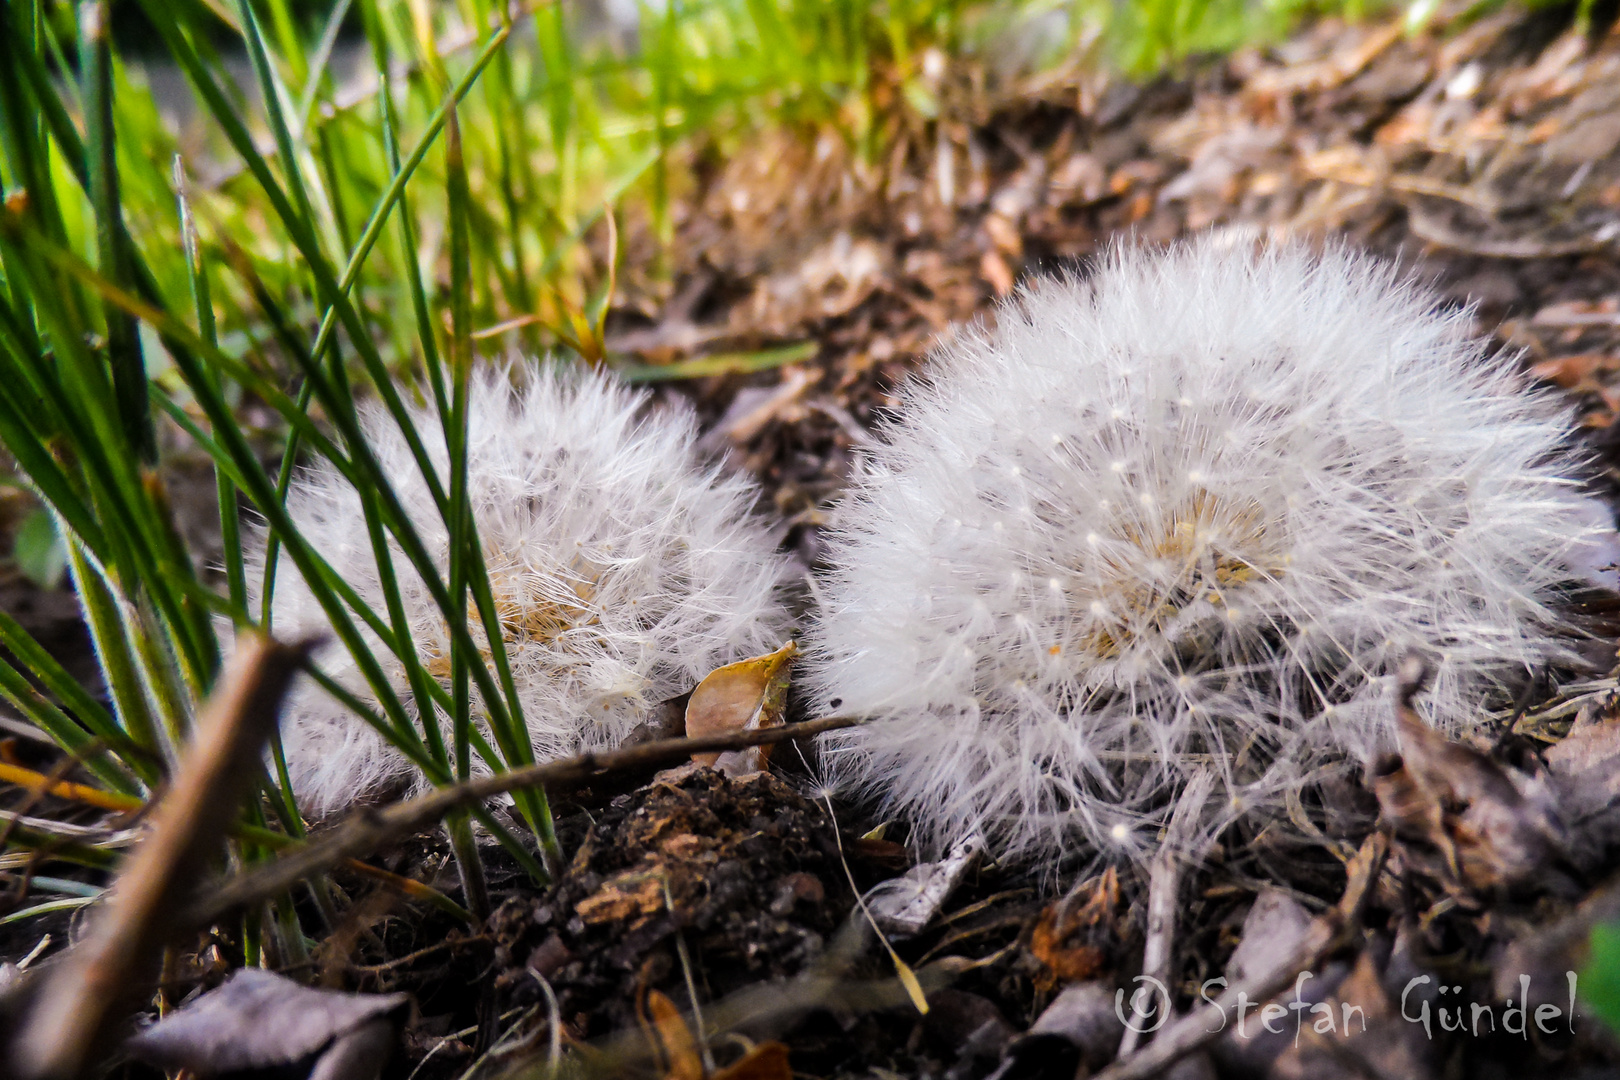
(622, 568)
(1120, 832)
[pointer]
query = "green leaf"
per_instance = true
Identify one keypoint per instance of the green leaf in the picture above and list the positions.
(1600, 980)
(38, 551)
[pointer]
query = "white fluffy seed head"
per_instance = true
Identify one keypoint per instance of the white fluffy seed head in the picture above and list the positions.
(1185, 515)
(623, 570)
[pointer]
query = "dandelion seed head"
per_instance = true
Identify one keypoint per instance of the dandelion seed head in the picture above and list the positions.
(622, 570)
(1277, 474)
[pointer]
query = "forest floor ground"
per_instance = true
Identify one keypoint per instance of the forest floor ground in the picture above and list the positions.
(1486, 159)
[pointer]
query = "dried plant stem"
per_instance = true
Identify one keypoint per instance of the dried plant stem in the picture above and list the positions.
(74, 1014)
(1164, 887)
(1164, 883)
(367, 829)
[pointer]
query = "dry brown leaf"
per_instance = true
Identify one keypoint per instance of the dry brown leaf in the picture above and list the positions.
(767, 1061)
(749, 695)
(994, 269)
(1004, 235)
(1067, 962)
(676, 1038)
(1494, 827)
(261, 1021)
(1593, 741)
(1585, 768)
(1571, 371)
(1571, 313)
(1069, 937)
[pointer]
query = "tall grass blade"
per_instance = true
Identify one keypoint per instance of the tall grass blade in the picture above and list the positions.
(123, 342)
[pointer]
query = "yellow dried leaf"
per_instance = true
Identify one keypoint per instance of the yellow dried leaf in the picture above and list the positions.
(749, 695)
(679, 1046)
(908, 979)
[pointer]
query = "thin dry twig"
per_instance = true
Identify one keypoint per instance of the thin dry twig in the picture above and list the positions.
(1327, 933)
(1164, 887)
(367, 829)
(73, 1017)
(1430, 229)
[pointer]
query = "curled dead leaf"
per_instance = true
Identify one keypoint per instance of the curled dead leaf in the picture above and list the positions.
(675, 1038)
(1071, 937)
(749, 695)
(765, 1061)
(1491, 826)
(261, 1021)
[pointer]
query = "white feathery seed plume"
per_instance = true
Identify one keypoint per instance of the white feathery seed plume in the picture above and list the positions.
(1184, 515)
(623, 569)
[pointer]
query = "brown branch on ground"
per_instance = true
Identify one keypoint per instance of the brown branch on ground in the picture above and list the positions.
(367, 829)
(72, 1016)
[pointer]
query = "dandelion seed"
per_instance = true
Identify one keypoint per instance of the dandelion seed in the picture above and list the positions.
(1281, 474)
(621, 568)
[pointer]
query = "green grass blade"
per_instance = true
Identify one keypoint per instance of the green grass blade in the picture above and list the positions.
(271, 92)
(230, 524)
(123, 342)
(455, 435)
(106, 625)
(68, 733)
(323, 57)
(55, 678)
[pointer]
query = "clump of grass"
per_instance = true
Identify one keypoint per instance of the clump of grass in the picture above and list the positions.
(308, 246)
